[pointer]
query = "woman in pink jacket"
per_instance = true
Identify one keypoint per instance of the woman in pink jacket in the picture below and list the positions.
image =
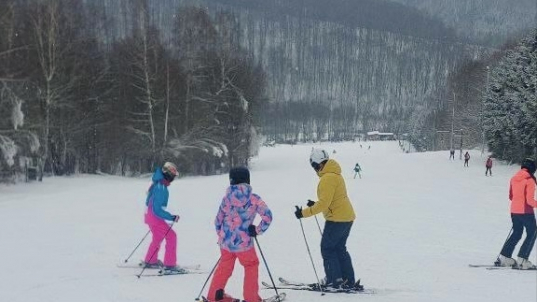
(522, 196)
(234, 227)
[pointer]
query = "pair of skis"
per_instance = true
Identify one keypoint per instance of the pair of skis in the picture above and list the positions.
(275, 298)
(161, 271)
(179, 271)
(291, 285)
(496, 267)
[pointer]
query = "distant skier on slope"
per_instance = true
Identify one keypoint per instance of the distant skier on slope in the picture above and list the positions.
(488, 166)
(466, 158)
(522, 196)
(337, 209)
(234, 227)
(357, 170)
(156, 216)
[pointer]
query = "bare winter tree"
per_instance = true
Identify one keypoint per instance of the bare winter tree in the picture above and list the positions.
(17, 141)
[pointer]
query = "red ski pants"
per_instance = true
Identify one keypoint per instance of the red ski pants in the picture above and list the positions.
(248, 259)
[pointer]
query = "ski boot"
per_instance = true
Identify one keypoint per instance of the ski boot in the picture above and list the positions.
(524, 264)
(358, 287)
(173, 270)
(147, 265)
(505, 261)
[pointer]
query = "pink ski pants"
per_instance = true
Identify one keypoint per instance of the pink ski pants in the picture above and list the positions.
(158, 229)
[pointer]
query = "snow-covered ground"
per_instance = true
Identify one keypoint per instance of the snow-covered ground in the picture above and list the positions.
(421, 219)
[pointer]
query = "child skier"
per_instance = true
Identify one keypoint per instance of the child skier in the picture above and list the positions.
(234, 227)
(357, 170)
(466, 158)
(522, 196)
(156, 216)
(488, 166)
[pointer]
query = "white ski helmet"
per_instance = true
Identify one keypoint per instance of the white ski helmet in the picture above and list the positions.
(317, 157)
(170, 171)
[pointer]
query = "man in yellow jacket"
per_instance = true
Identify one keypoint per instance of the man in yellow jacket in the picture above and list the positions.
(337, 209)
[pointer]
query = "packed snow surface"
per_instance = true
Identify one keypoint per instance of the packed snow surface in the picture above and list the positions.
(421, 219)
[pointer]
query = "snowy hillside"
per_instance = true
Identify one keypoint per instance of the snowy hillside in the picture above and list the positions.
(421, 219)
(483, 21)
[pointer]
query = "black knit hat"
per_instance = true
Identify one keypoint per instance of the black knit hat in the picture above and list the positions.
(529, 164)
(239, 175)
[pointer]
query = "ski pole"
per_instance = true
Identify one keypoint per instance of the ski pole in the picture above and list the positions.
(208, 277)
(126, 260)
(319, 226)
(309, 253)
(155, 251)
(268, 270)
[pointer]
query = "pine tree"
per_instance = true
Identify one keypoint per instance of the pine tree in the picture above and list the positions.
(510, 112)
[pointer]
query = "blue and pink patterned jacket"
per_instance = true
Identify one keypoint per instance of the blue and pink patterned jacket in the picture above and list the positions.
(237, 211)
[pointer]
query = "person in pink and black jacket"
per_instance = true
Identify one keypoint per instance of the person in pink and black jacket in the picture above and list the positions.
(235, 229)
(488, 166)
(523, 203)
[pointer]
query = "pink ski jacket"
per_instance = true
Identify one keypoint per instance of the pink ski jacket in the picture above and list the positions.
(522, 193)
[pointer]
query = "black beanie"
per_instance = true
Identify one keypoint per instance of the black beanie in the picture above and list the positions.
(529, 164)
(239, 175)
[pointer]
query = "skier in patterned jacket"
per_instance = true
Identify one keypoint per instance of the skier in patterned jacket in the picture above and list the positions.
(234, 226)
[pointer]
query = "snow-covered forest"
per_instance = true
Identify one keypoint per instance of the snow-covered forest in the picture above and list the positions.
(336, 69)
(80, 100)
(485, 21)
(110, 86)
(510, 106)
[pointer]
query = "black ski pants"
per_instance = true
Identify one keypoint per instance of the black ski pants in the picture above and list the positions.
(521, 222)
(336, 259)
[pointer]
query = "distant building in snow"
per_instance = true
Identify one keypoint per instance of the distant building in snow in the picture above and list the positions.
(380, 136)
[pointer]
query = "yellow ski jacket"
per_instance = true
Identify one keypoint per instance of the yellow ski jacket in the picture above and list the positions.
(332, 194)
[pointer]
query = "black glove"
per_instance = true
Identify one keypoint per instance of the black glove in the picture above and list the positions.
(310, 203)
(298, 212)
(176, 218)
(251, 230)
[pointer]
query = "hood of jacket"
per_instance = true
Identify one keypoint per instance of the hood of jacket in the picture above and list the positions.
(331, 166)
(238, 195)
(158, 177)
(521, 175)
